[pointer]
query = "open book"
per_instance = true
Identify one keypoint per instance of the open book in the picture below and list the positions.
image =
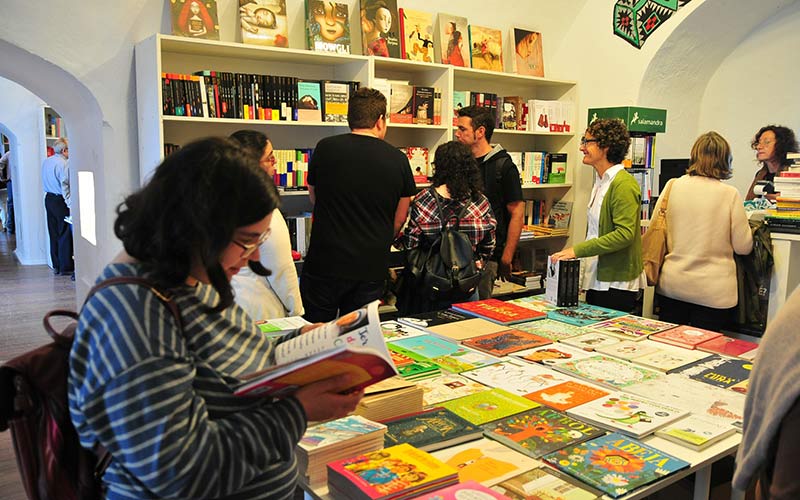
(351, 344)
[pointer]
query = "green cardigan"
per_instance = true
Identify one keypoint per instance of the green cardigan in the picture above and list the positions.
(619, 244)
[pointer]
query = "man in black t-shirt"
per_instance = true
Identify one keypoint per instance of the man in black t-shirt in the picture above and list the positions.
(361, 188)
(502, 187)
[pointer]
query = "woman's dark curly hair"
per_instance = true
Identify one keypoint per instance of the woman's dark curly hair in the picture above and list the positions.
(611, 133)
(457, 168)
(189, 210)
(785, 142)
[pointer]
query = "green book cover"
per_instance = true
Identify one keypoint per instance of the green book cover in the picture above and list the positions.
(418, 370)
(430, 430)
(487, 406)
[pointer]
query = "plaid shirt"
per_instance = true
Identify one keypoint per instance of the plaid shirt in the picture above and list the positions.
(424, 225)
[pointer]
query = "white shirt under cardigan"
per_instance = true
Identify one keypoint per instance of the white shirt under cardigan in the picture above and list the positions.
(590, 281)
(706, 224)
(278, 295)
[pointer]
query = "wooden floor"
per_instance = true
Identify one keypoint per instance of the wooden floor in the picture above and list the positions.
(26, 293)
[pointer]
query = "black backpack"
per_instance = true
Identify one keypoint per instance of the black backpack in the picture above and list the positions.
(449, 271)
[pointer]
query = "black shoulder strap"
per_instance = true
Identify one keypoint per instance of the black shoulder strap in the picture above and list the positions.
(441, 212)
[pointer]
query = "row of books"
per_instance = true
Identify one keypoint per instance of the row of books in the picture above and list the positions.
(291, 168)
(417, 104)
(540, 167)
(642, 152)
(219, 94)
(300, 232)
(54, 125)
(644, 177)
(536, 115)
(562, 282)
(556, 219)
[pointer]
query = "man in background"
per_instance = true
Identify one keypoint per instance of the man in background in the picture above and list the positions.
(57, 201)
(5, 177)
(501, 184)
(361, 188)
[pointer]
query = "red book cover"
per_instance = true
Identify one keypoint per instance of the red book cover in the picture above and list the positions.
(727, 346)
(506, 342)
(498, 311)
(685, 336)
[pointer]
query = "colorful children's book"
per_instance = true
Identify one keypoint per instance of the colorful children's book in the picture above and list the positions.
(328, 26)
(545, 483)
(517, 377)
(528, 57)
(728, 346)
(320, 436)
(464, 491)
(506, 342)
(583, 314)
(499, 311)
(380, 28)
(687, 337)
(615, 464)
(467, 329)
(695, 432)
(629, 414)
(351, 344)
(430, 430)
(628, 349)
(632, 327)
(434, 318)
(607, 371)
(395, 330)
(419, 370)
(416, 35)
(552, 354)
(489, 405)
(591, 340)
(453, 41)
(485, 461)
(446, 387)
(671, 360)
(390, 472)
(535, 302)
(309, 101)
(195, 18)
(486, 46)
(448, 355)
(418, 160)
(718, 371)
(264, 22)
(567, 395)
(554, 330)
(540, 431)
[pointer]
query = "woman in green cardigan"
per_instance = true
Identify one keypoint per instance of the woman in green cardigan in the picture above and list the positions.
(612, 251)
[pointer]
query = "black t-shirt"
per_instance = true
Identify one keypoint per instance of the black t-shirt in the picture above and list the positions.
(358, 181)
(500, 192)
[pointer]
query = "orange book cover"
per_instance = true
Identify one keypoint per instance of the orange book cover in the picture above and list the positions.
(498, 311)
(506, 342)
(566, 395)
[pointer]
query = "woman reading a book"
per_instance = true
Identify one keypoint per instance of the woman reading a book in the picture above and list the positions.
(612, 251)
(706, 225)
(771, 144)
(156, 392)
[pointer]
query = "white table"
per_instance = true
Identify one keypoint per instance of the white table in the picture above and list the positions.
(785, 270)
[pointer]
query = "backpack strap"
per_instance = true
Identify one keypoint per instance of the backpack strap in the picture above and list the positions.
(459, 215)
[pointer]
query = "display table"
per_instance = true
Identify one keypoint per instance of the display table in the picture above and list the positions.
(785, 270)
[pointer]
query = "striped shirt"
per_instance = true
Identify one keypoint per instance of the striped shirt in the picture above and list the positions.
(160, 400)
(424, 224)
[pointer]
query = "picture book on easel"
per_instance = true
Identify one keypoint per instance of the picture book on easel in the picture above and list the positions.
(195, 18)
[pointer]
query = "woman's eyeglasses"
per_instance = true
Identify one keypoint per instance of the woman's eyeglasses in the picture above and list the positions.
(249, 248)
(585, 141)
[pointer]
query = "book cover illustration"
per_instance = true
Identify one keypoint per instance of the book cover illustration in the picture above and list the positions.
(309, 101)
(535, 302)
(195, 18)
(486, 406)
(615, 464)
(430, 430)
(703, 400)
(469, 490)
(416, 35)
(669, 361)
(591, 340)
(400, 360)
(506, 342)
(419, 370)
(264, 22)
(728, 346)
(328, 26)
(583, 314)
(528, 55)
(553, 354)
(401, 102)
(453, 41)
(335, 96)
(448, 386)
(434, 318)
(335, 431)
(422, 110)
(607, 371)
(554, 330)
(395, 330)
(380, 28)
(695, 432)
(401, 468)
(485, 461)
(517, 377)
(685, 336)
(544, 483)
(560, 214)
(629, 414)
(499, 311)
(486, 48)
(632, 327)
(719, 371)
(448, 355)
(418, 161)
(540, 431)
(467, 329)
(567, 395)
(629, 350)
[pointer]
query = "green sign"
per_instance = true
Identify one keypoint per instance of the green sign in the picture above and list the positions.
(637, 119)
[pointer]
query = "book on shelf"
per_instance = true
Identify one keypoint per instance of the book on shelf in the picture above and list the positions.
(728, 346)
(195, 19)
(461, 99)
(630, 414)
(389, 398)
(447, 355)
(461, 491)
(422, 109)
(416, 35)
(718, 371)
(540, 431)
(264, 23)
(567, 395)
(528, 56)
(434, 318)
(684, 336)
(328, 26)
(466, 329)
(517, 377)
(486, 48)
(309, 100)
(511, 116)
(562, 282)
(615, 464)
(489, 405)
(453, 41)
(418, 159)
(335, 97)
(545, 483)
(401, 471)
(401, 103)
(505, 342)
(446, 387)
(696, 433)
(352, 344)
(380, 28)
(560, 214)
(591, 340)
(556, 168)
(499, 311)
(278, 327)
(583, 314)
(430, 430)
(606, 371)
(485, 461)
(552, 354)
(631, 327)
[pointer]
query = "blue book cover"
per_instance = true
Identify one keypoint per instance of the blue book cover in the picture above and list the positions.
(718, 371)
(583, 314)
(615, 464)
(448, 355)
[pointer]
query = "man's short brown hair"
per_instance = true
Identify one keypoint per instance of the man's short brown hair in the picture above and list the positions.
(365, 107)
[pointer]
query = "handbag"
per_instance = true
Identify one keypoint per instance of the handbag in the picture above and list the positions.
(654, 241)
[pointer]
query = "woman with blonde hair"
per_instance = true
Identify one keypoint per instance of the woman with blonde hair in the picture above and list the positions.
(706, 225)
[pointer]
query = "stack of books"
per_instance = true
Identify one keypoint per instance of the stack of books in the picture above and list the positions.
(389, 398)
